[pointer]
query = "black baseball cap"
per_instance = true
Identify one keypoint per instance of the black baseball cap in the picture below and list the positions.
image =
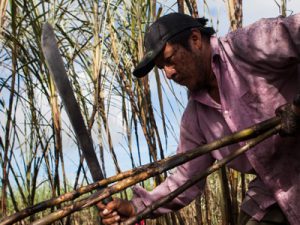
(162, 30)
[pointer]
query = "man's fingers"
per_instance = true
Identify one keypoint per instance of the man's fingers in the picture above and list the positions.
(106, 212)
(111, 206)
(115, 211)
(108, 215)
(112, 218)
(107, 209)
(101, 205)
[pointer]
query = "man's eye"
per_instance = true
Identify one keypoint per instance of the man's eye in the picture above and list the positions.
(166, 62)
(169, 60)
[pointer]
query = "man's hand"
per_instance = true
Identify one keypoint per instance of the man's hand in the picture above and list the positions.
(290, 119)
(116, 211)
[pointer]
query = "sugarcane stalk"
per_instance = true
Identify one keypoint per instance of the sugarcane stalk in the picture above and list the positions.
(95, 198)
(151, 169)
(251, 143)
(63, 198)
(155, 169)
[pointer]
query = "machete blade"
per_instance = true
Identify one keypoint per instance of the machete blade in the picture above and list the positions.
(58, 73)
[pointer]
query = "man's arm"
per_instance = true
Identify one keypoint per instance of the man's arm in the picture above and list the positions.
(190, 137)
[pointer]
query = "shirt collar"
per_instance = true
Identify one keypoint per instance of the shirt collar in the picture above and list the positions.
(203, 97)
(215, 48)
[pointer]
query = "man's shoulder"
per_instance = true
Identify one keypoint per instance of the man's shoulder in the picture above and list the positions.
(263, 24)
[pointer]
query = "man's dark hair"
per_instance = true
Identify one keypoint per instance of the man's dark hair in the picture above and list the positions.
(183, 37)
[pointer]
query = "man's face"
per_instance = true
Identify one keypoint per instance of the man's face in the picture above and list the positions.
(187, 67)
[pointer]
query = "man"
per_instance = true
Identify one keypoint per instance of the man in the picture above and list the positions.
(234, 82)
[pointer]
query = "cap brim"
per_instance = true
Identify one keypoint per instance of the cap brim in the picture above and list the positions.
(147, 62)
(144, 67)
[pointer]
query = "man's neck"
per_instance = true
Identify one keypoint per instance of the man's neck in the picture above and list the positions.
(214, 94)
(213, 89)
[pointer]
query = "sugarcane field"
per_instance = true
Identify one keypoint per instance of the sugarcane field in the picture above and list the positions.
(150, 112)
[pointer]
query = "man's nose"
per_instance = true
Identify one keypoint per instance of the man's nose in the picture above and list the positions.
(169, 71)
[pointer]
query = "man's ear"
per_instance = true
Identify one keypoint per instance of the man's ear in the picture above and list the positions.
(196, 38)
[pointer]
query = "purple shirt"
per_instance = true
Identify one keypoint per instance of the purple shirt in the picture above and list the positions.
(257, 70)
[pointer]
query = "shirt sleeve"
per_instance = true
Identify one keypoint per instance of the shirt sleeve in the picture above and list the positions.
(269, 43)
(190, 137)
